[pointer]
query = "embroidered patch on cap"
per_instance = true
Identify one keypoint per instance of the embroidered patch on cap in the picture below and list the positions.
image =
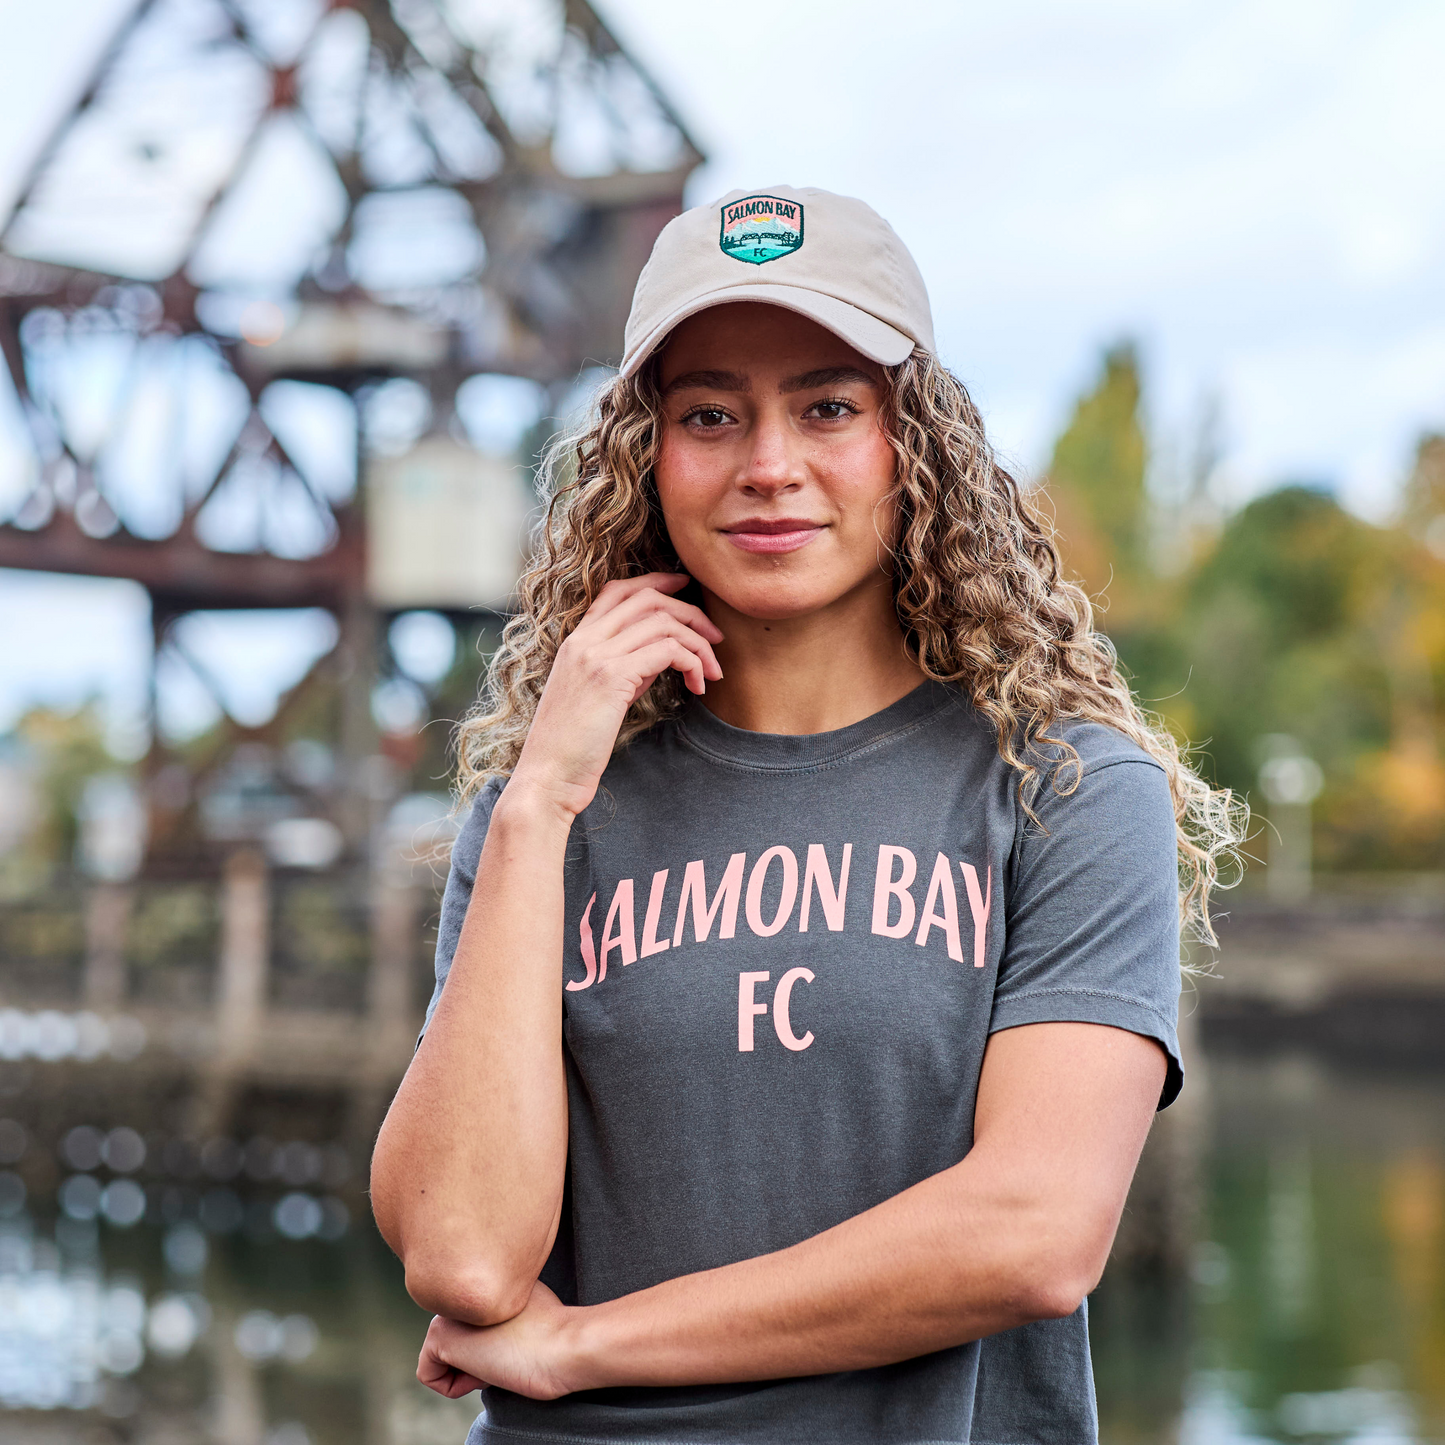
(761, 228)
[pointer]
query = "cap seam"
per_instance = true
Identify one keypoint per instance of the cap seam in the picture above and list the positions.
(649, 343)
(775, 280)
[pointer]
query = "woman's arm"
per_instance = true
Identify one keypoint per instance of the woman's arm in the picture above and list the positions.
(1019, 1231)
(466, 1178)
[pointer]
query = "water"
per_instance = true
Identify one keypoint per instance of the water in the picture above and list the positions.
(1314, 1312)
(307, 1342)
(1316, 1307)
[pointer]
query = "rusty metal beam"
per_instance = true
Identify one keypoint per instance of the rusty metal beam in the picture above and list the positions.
(561, 287)
(182, 575)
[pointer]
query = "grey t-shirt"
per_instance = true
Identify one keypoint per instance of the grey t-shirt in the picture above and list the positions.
(783, 960)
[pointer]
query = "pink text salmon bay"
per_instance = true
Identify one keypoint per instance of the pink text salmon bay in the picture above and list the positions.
(811, 893)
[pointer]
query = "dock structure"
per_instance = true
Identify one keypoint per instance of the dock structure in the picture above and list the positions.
(254, 224)
(1354, 971)
(259, 1033)
(247, 1039)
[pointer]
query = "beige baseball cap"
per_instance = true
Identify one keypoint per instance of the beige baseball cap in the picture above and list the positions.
(829, 257)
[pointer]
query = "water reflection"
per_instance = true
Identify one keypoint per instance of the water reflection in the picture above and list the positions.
(224, 1290)
(171, 1333)
(1316, 1311)
(66, 1331)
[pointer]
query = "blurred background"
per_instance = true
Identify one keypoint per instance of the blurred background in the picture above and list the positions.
(291, 293)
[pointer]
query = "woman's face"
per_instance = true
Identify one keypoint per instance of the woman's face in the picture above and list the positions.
(774, 474)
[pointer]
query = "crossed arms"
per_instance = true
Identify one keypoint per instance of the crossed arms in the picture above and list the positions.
(468, 1172)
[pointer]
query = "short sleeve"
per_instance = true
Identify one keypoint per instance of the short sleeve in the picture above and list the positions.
(1093, 912)
(466, 855)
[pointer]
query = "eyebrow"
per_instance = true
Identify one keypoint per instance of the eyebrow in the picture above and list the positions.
(736, 381)
(707, 380)
(825, 376)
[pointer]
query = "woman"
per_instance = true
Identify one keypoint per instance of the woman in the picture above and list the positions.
(809, 963)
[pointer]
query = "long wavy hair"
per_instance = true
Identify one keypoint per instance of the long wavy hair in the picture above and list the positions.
(978, 584)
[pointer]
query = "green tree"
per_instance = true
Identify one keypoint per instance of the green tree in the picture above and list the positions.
(1096, 486)
(1298, 618)
(68, 748)
(1096, 483)
(1423, 499)
(1270, 633)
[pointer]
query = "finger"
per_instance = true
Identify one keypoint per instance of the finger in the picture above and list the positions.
(436, 1374)
(654, 660)
(453, 1384)
(461, 1384)
(658, 625)
(432, 1372)
(622, 588)
(638, 602)
(598, 662)
(649, 663)
(649, 600)
(432, 1363)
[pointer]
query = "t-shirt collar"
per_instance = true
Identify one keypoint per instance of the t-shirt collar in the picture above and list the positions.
(709, 734)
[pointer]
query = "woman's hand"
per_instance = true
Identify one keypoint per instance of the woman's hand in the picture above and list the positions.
(633, 632)
(527, 1355)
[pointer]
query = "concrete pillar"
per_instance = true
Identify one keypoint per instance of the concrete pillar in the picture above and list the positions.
(245, 953)
(240, 1412)
(107, 914)
(392, 1020)
(357, 808)
(1288, 862)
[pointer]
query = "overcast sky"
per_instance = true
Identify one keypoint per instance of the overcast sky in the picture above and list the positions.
(1249, 188)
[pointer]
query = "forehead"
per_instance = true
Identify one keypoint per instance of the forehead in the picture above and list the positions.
(756, 340)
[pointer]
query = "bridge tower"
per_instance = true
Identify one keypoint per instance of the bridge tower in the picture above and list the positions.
(289, 286)
(287, 302)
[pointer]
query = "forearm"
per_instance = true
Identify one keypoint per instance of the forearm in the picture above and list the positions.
(468, 1169)
(955, 1258)
(1018, 1231)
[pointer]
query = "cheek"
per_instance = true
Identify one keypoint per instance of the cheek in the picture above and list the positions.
(685, 492)
(865, 489)
(671, 466)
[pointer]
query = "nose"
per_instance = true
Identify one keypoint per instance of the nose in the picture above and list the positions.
(772, 467)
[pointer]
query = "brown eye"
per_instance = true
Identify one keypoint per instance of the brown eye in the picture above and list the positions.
(833, 409)
(709, 416)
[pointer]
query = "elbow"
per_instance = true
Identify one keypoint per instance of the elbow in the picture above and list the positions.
(1052, 1284)
(470, 1294)
(1051, 1297)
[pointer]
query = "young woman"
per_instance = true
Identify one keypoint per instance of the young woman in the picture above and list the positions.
(809, 963)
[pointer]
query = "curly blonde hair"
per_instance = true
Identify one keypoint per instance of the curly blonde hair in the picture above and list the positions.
(978, 583)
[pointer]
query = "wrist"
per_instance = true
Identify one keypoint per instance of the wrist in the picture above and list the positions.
(526, 804)
(588, 1356)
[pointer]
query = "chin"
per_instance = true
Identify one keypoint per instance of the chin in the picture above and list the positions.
(779, 602)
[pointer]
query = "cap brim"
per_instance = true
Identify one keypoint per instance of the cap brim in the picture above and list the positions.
(865, 333)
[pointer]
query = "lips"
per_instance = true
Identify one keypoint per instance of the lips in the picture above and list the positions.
(772, 534)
